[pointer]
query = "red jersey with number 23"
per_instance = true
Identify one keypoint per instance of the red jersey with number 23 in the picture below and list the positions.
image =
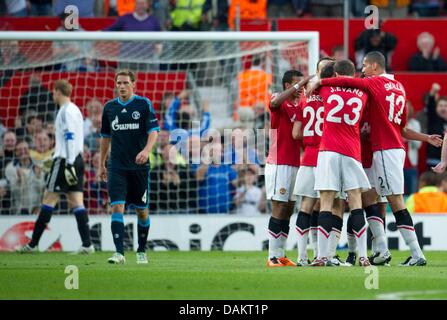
(312, 110)
(343, 109)
(284, 150)
(388, 114)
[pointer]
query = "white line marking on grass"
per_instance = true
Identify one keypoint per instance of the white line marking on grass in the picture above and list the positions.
(407, 295)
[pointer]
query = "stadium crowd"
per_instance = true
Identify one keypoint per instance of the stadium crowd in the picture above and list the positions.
(187, 15)
(183, 186)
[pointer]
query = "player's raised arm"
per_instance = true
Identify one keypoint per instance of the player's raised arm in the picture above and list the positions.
(440, 167)
(288, 92)
(357, 83)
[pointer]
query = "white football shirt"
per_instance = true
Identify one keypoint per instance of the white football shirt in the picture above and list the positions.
(69, 133)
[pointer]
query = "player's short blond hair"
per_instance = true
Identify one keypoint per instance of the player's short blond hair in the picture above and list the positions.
(64, 87)
(126, 73)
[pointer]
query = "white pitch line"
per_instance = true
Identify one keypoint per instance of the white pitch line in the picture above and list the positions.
(404, 295)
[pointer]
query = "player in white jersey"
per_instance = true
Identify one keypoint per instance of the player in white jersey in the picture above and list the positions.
(67, 171)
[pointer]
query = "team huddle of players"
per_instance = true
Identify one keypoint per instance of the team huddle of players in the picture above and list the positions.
(351, 130)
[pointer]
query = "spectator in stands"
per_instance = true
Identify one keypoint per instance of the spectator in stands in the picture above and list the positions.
(173, 185)
(358, 8)
(248, 9)
(5, 198)
(249, 199)
(42, 153)
(162, 10)
(34, 125)
(392, 9)
(442, 185)
(374, 40)
(219, 21)
(180, 115)
(2, 131)
(85, 7)
(80, 50)
(424, 8)
(412, 153)
(93, 108)
(338, 53)
(436, 110)
(95, 190)
(26, 181)
(326, 8)
(253, 84)
(92, 139)
(7, 151)
(187, 15)
(217, 182)
(428, 58)
(429, 198)
(41, 7)
(38, 99)
(286, 8)
(141, 19)
(156, 154)
(16, 8)
(166, 101)
(10, 55)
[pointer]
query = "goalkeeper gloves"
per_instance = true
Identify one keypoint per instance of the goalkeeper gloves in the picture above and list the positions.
(70, 175)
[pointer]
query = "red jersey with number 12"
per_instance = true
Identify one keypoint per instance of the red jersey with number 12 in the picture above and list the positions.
(284, 150)
(343, 109)
(388, 108)
(312, 110)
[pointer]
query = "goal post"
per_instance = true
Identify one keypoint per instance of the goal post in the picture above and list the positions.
(198, 73)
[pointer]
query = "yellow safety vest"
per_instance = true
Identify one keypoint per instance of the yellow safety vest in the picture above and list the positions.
(187, 11)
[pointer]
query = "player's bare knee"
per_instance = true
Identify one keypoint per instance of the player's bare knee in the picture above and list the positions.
(339, 207)
(50, 198)
(397, 202)
(143, 214)
(75, 199)
(118, 208)
(307, 205)
(355, 199)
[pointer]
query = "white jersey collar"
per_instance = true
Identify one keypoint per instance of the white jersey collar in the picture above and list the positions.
(387, 75)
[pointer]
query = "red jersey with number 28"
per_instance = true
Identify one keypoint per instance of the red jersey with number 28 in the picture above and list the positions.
(343, 109)
(284, 150)
(388, 108)
(312, 110)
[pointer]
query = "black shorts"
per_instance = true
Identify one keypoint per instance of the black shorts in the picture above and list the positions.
(56, 178)
(129, 187)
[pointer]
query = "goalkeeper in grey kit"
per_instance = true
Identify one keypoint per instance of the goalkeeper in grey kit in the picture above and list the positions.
(67, 171)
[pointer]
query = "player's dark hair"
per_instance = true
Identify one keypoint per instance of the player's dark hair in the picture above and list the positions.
(288, 77)
(324, 59)
(64, 87)
(126, 73)
(376, 57)
(429, 178)
(345, 68)
(328, 70)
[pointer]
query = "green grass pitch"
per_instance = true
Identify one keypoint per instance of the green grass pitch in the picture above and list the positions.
(212, 275)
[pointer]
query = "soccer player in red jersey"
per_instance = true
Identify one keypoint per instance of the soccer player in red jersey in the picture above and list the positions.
(311, 111)
(339, 167)
(388, 126)
(375, 206)
(282, 165)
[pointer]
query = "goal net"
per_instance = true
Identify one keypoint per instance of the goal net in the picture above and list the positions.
(209, 90)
